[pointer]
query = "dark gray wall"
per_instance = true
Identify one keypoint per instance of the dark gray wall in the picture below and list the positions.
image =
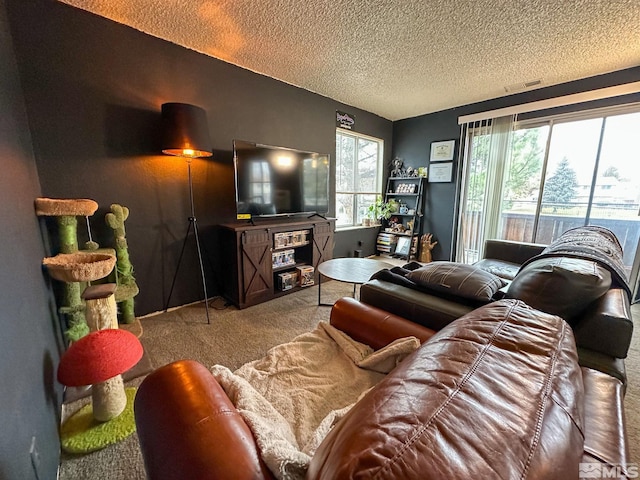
(30, 341)
(412, 141)
(348, 241)
(93, 90)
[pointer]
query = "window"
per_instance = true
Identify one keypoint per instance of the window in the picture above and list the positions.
(533, 180)
(358, 176)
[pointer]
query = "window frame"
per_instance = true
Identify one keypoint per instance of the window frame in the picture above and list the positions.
(353, 191)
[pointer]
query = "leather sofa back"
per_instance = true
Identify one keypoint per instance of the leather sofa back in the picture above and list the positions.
(430, 310)
(510, 251)
(496, 394)
(580, 291)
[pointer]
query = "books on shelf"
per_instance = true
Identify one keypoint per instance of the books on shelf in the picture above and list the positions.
(386, 242)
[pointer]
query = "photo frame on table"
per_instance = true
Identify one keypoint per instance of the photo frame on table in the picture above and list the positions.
(402, 246)
(442, 151)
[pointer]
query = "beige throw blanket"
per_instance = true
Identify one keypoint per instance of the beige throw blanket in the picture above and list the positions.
(294, 395)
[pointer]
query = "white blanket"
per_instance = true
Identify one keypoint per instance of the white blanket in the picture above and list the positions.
(293, 396)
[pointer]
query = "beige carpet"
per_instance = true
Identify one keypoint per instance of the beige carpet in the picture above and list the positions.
(238, 336)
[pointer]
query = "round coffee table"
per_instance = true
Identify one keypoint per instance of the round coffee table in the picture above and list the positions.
(349, 270)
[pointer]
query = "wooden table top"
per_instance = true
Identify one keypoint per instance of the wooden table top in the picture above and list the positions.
(351, 270)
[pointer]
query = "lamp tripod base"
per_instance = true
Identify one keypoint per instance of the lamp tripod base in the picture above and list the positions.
(193, 223)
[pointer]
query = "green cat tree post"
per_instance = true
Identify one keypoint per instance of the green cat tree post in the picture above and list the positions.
(127, 288)
(72, 305)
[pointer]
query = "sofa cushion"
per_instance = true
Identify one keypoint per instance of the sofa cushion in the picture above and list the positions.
(499, 268)
(457, 279)
(496, 394)
(561, 286)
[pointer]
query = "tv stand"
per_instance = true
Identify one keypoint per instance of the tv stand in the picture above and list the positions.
(247, 255)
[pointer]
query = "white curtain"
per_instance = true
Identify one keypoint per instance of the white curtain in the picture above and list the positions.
(485, 149)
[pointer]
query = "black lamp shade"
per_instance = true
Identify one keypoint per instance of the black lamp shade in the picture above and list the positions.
(185, 131)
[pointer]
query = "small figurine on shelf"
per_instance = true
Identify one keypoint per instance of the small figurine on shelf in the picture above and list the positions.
(396, 225)
(398, 170)
(426, 245)
(409, 226)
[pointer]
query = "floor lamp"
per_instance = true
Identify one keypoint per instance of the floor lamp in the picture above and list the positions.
(186, 134)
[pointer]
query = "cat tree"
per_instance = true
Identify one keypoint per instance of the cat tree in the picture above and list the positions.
(73, 266)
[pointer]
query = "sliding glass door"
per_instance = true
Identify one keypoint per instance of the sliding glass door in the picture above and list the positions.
(556, 174)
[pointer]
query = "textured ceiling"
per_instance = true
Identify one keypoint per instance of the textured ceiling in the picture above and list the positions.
(398, 58)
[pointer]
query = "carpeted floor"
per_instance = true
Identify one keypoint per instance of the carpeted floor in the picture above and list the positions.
(238, 336)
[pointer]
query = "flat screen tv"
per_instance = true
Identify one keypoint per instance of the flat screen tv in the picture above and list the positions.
(274, 181)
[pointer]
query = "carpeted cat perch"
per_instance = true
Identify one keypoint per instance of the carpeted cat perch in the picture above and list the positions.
(65, 211)
(73, 268)
(79, 267)
(99, 359)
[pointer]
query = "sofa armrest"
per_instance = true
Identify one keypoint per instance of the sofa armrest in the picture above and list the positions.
(373, 326)
(605, 437)
(513, 252)
(606, 326)
(188, 427)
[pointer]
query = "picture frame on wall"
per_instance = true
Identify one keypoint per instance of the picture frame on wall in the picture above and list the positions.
(440, 172)
(442, 151)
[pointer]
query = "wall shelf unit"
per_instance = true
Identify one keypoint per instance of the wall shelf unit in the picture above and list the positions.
(399, 233)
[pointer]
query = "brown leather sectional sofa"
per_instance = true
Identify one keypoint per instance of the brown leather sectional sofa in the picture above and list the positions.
(602, 329)
(502, 392)
(496, 394)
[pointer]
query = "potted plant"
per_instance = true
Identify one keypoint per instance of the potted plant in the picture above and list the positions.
(378, 210)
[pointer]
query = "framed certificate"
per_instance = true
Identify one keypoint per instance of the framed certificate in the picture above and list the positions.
(442, 151)
(440, 172)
